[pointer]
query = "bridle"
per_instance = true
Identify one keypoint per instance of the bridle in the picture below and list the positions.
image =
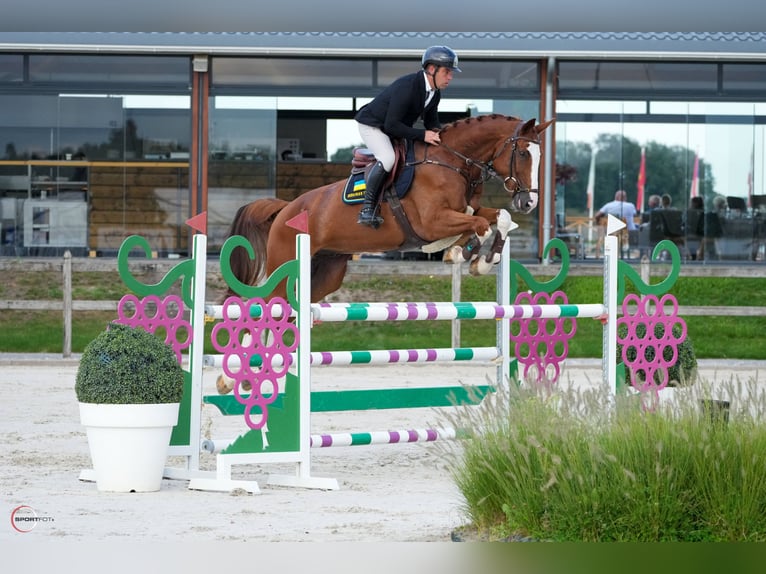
(487, 169)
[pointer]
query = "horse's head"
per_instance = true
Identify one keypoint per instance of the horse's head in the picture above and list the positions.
(523, 150)
(512, 159)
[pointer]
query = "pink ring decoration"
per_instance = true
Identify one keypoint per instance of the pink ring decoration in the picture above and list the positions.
(653, 313)
(536, 340)
(270, 336)
(153, 313)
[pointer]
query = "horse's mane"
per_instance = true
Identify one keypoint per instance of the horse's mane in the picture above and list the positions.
(458, 124)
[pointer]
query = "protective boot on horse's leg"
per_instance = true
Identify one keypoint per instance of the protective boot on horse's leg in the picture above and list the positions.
(373, 186)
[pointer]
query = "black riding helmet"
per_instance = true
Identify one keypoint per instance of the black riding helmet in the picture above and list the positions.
(441, 56)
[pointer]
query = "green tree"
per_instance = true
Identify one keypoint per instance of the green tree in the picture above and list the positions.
(344, 154)
(668, 170)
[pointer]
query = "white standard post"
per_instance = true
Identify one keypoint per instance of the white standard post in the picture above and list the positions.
(609, 347)
(504, 325)
(191, 451)
(197, 347)
(303, 367)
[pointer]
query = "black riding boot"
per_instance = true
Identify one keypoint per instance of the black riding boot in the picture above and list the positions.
(368, 215)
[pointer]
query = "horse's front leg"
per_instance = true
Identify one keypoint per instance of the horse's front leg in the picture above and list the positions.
(467, 247)
(504, 225)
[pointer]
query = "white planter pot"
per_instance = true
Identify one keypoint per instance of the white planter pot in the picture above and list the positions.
(129, 444)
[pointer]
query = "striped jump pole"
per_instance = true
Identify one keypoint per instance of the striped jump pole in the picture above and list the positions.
(450, 311)
(328, 440)
(320, 358)
(381, 437)
(428, 311)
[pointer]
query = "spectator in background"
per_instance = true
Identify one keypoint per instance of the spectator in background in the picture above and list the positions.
(667, 201)
(713, 228)
(621, 208)
(719, 205)
(652, 204)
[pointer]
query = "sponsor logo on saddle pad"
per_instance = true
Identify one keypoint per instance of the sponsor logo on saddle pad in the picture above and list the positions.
(353, 192)
(355, 188)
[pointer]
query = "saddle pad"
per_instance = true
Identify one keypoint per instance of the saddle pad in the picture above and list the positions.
(353, 191)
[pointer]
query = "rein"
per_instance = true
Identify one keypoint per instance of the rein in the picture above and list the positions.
(488, 170)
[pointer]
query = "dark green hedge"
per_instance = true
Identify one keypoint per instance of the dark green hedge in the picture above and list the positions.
(123, 365)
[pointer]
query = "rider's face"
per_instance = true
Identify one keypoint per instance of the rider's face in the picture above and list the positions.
(442, 78)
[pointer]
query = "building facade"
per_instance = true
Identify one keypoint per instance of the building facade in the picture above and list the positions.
(103, 135)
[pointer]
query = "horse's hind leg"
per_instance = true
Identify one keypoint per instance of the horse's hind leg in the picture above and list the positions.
(224, 384)
(327, 273)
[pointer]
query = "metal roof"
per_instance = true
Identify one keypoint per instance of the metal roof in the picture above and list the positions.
(601, 45)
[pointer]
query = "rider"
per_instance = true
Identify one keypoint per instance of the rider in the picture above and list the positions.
(392, 114)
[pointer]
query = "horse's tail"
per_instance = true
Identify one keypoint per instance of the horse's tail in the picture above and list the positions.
(253, 222)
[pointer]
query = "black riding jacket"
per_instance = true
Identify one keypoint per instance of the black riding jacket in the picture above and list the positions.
(398, 107)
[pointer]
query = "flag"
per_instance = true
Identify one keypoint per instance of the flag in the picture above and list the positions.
(694, 192)
(750, 178)
(591, 182)
(641, 184)
(589, 191)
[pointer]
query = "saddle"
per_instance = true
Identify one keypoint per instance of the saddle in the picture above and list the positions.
(400, 178)
(364, 159)
(394, 188)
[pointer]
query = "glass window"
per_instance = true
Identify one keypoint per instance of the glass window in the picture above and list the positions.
(725, 141)
(11, 68)
(645, 77)
(490, 75)
(111, 70)
(242, 150)
(744, 78)
(102, 127)
(283, 72)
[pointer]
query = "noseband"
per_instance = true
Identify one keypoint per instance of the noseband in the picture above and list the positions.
(488, 170)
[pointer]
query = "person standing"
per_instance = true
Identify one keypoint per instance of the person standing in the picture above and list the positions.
(392, 114)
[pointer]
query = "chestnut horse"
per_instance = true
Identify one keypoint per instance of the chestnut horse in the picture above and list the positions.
(441, 204)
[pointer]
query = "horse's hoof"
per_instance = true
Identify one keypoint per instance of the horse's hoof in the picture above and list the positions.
(454, 255)
(480, 267)
(224, 388)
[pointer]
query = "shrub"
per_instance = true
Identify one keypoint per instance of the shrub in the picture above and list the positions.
(123, 365)
(682, 372)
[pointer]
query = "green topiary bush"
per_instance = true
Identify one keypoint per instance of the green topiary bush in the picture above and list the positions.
(682, 372)
(123, 365)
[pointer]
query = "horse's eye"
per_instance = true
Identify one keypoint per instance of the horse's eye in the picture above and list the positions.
(524, 153)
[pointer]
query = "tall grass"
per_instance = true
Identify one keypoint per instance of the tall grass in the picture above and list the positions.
(586, 466)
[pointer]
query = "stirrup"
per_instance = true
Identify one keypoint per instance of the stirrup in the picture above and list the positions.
(370, 218)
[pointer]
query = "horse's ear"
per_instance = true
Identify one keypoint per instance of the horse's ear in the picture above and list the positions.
(543, 126)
